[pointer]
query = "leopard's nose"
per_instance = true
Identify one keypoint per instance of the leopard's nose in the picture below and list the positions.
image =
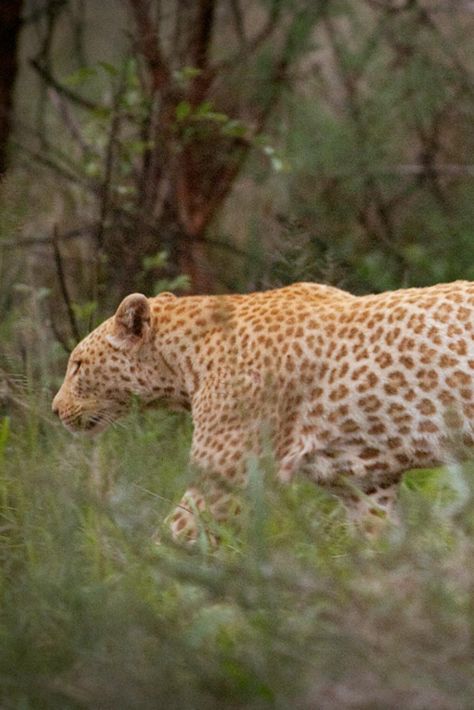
(55, 406)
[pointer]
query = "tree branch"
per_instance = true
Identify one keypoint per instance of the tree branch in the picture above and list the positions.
(26, 242)
(200, 49)
(71, 177)
(105, 188)
(57, 334)
(372, 192)
(203, 34)
(61, 89)
(68, 118)
(253, 43)
(63, 285)
(239, 23)
(149, 44)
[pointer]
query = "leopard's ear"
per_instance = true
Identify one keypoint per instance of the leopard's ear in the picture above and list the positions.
(131, 322)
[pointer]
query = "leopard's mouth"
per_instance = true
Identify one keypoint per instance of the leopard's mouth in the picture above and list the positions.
(87, 423)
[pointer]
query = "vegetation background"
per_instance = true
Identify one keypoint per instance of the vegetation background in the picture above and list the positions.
(212, 146)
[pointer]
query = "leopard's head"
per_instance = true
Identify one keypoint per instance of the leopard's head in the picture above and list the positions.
(106, 369)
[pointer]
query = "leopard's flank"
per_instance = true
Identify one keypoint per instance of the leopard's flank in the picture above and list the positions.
(351, 391)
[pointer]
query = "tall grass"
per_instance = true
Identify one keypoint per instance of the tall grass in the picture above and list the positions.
(293, 611)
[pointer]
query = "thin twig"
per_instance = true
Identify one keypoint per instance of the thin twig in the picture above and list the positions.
(62, 341)
(43, 59)
(372, 192)
(73, 178)
(47, 239)
(253, 43)
(239, 23)
(64, 90)
(63, 286)
(105, 190)
(68, 118)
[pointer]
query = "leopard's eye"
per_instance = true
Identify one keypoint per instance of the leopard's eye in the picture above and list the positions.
(75, 367)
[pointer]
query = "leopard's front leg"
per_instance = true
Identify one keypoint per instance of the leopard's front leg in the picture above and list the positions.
(226, 431)
(206, 504)
(215, 495)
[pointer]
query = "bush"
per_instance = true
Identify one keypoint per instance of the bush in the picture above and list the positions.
(296, 610)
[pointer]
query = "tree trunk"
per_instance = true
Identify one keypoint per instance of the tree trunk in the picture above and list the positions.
(10, 23)
(193, 261)
(130, 242)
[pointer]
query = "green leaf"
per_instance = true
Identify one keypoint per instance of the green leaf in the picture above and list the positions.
(183, 110)
(190, 72)
(92, 168)
(133, 97)
(138, 147)
(109, 68)
(204, 108)
(179, 283)
(156, 261)
(101, 113)
(234, 129)
(217, 117)
(83, 311)
(183, 75)
(125, 190)
(80, 76)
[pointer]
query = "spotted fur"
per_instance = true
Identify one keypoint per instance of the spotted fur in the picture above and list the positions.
(351, 391)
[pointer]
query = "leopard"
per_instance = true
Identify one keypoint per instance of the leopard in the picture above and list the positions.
(350, 391)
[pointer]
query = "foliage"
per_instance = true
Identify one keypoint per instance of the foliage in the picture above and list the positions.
(295, 610)
(154, 142)
(348, 147)
(377, 136)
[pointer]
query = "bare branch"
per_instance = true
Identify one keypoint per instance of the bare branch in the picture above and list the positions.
(57, 334)
(105, 189)
(178, 31)
(63, 286)
(449, 169)
(449, 50)
(42, 159)
(197, 220)
(25, 242)
(61, 89)
(203, 33)
(37, 13)
(68, 118)
(254, 43)
(372, 194)
(149, 43)
(239, 23)
(200, 50)
(392, 5)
